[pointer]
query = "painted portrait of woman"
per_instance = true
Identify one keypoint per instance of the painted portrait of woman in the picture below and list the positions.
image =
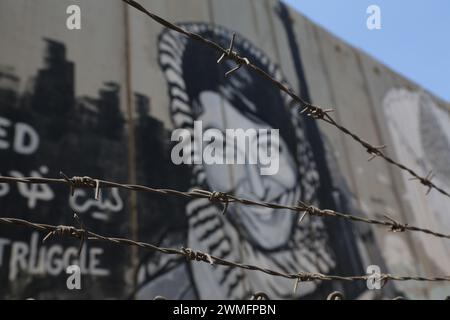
(265, 237)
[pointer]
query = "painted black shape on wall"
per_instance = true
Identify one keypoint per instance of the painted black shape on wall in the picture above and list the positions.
(79, 135)
(68, 134)
(76, 135)
(341, 232)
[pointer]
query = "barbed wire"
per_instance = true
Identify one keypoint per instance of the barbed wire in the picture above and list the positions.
(192, 255)
(311, 110)
(219, 198)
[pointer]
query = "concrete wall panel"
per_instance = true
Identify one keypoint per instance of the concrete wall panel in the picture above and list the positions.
(110, 96)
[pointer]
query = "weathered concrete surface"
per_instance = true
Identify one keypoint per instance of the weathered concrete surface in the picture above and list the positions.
(104, 100)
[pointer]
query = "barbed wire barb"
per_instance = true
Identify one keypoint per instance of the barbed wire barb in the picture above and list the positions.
(426, 181)
(83, 234)
(230, 54)
(375, 151)
(396, 226)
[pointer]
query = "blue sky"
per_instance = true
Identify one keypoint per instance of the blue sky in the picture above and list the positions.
(414, 39)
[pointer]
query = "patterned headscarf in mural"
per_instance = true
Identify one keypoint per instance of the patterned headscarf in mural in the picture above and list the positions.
(265, 237)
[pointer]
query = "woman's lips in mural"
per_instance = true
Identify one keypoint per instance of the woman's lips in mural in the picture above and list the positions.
(263, 214)
(269, 228)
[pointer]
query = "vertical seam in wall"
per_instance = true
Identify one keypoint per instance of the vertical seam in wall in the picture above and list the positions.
(133, 218)
(347, 159)
(369, 253)
(272, 33)
(390, 170)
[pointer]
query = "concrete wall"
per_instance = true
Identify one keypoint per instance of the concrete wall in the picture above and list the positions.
(103, 101)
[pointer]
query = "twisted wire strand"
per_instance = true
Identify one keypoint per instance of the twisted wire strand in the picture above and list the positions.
(220, 197)
(192, 255)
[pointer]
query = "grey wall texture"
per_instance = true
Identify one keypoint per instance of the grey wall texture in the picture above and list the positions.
(103, 101)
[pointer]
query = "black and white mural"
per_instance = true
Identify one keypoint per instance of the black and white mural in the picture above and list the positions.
(55, 118)
(199, 91)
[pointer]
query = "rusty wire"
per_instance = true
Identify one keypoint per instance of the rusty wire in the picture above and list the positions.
(311, 110)
(192, 255)
(221, 198)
